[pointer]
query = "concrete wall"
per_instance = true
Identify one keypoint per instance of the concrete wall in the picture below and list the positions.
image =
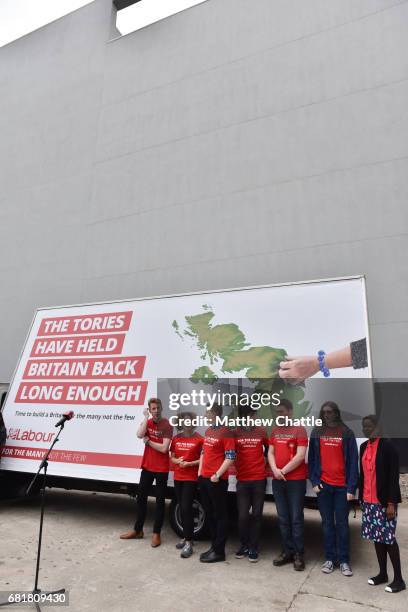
(227, 145)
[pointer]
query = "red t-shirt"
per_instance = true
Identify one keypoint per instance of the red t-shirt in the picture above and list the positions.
(332, 458)
(285, 441)
(188, 447)
(219, 444)
(250, 459)
(370, 477)
(153, 460)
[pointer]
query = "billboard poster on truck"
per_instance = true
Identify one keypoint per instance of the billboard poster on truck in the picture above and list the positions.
(103, 361)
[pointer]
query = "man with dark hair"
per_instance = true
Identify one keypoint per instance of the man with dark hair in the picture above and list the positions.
(156, 433)
(287, 451)
(217, 456)
(251, 443)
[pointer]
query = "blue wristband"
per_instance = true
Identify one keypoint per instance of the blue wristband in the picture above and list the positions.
(322, 364)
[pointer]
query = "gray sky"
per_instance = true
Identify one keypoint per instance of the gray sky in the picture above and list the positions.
(18, 17)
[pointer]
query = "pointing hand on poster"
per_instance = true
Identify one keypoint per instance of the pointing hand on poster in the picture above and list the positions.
(298, 369)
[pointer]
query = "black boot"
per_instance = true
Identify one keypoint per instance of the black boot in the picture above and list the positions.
(205, 554)
(212, 557)
(283, 559)
(298, 562)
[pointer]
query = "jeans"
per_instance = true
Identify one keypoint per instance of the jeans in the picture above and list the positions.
(214, 499)
(250, 493)
(334, 510)
(289, 499)
(185, 492)
(146, 480)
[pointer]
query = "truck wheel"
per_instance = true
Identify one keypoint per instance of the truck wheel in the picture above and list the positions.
(200, 521)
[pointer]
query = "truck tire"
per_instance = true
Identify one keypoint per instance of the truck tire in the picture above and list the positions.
(201, 530)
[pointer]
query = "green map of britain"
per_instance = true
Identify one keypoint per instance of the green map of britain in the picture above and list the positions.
(225, 345)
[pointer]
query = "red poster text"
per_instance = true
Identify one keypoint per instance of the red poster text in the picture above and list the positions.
(78, 345)
(86, 324)
(103, 393)
(103, 367)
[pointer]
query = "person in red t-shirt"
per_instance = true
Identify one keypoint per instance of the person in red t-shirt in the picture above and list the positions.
(287, 451)
(250, 445)
(156, 433)
(333, 472)
(185, 451)
(217, 456)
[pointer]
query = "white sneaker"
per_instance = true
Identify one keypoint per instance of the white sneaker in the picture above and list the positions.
(328, 567)
(345, 569)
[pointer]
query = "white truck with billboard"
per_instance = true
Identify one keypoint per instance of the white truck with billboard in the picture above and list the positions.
(104, 361)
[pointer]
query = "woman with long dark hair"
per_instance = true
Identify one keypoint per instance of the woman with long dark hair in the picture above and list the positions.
(333, 472)
(380, 494)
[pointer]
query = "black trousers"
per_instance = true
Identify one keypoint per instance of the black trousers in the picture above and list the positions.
(185, 492)
(250, 494)
(146, 481)
(214, 500)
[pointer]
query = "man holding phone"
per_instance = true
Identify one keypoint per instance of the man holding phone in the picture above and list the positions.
(156, 433)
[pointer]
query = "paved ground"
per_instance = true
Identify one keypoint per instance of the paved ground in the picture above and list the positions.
(82, 552)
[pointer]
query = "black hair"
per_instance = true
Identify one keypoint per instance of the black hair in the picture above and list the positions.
(186, 415)
(285, 403)
(245, 411)
(335, 409)
(375, 421)
(216, 409)
(373, 418)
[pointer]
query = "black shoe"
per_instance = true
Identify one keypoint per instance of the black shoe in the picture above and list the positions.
(242, 552)
(298, 562)
(213, 557)
(253, 556)
(395, 586)
(283, 559)
(206, 553)
(379, 579)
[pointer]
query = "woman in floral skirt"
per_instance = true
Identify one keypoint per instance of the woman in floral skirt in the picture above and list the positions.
(379, 495)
